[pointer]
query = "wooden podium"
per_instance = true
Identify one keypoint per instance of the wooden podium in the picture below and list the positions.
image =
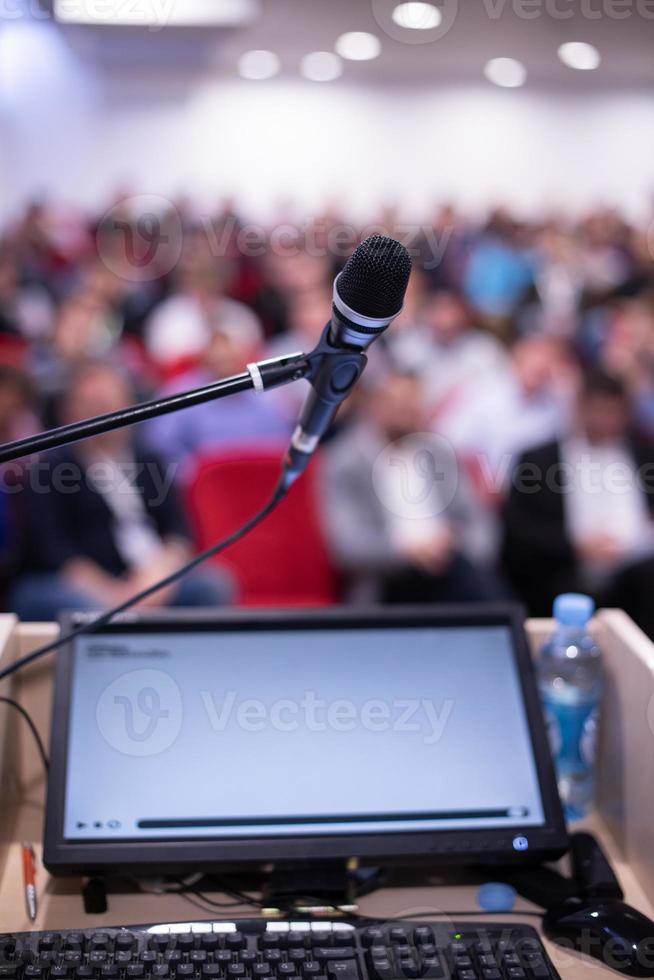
(623, 819)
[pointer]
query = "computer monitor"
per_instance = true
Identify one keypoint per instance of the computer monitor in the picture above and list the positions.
(207, 740)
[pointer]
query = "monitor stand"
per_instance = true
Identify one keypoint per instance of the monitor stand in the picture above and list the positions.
(315, 886)
(308, 887)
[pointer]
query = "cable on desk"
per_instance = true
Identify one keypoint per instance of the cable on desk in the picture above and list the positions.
(106, 617)
(37, 738)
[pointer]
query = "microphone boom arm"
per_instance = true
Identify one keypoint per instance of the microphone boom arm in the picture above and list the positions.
(259, 376)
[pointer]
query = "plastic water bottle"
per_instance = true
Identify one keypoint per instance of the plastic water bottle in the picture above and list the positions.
(570, 679)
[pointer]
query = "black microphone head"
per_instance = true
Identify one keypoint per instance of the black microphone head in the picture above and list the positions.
(375, 279)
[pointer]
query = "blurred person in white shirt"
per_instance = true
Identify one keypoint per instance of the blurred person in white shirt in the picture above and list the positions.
(527, 404)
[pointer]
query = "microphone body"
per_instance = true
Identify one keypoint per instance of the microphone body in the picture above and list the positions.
(368, 295)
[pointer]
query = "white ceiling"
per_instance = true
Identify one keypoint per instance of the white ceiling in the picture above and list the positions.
(477, 30)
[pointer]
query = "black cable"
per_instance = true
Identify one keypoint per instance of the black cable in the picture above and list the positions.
(37, 738)
(106, 617)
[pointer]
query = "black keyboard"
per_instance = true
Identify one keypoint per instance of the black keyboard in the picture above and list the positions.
(256, 949)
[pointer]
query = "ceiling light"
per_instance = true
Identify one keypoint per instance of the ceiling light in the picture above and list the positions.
(321, 66)
(190, 13)
(257, 65)
(417, 16)
(358, 46)
(579, 55)
(506, 72)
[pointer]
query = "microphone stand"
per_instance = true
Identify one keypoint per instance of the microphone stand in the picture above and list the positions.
(259, 377)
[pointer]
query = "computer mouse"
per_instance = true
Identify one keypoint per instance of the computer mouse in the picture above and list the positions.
(607, 929)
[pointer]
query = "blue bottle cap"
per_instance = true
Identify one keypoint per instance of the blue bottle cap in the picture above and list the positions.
(573, 609)
(495, 896)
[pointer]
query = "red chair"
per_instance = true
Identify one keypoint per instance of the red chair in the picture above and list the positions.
(284, 561)
(13, 351)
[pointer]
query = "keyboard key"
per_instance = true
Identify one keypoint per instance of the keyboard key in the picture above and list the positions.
(432, 968)
(110, 971)
(515, 973)
(73, 956)
(98, 957)
(295, 939)
(49, 940)
(124, 941)
(210, 970)
(373, 936)
(311, 968)
(343, 970)
(235, 940)
(84, 972)
(148, 957)
(491, 973)
(160, 971)
(59, 973)
(261, 970)
(209, 941)
(382, 969)
(135, 971)
(466, 975)
(272, 955)
(286, 969)
(409, 968)
(99, 940)
(325, 955)
(399, 935)
(184, 942)
(198, 956)
(123, 958)
(184, 970)
(423, 935)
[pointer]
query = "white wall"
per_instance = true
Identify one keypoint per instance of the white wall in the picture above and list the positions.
(77, 134)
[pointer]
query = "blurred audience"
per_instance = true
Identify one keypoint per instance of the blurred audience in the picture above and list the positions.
(101, 521)
(244, 420)
(402, 521)
(478, 378)
(524, 403)
(580, 513)
(451, 354)
(179, 328)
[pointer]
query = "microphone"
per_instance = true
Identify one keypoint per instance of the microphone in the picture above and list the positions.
(368, 295)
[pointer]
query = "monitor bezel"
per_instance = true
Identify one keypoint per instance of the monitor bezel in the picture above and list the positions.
(464, 847)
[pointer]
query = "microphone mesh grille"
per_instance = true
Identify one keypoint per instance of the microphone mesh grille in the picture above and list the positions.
(374, 281)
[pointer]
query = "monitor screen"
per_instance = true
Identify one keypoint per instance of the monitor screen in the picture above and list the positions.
(295, 731)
